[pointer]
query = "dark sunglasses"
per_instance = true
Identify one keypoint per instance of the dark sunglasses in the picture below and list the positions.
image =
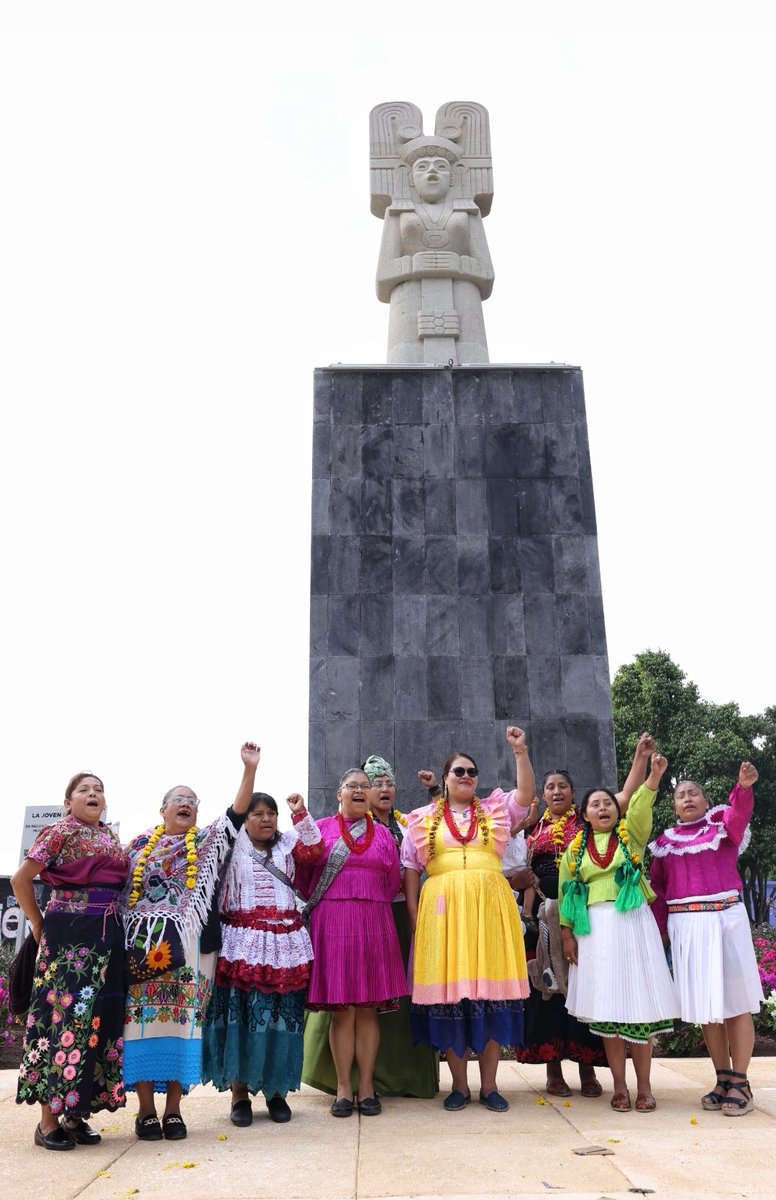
(459, 772)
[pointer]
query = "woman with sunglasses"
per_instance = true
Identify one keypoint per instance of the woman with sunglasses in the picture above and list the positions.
(470, 976)
(171, 898)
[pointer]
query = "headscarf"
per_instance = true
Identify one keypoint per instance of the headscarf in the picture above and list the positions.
(374, 768)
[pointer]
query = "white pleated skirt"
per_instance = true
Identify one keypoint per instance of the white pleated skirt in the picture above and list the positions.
(715, 968)
(622, 974)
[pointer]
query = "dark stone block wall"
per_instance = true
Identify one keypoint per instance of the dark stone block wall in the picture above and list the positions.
(455, 581)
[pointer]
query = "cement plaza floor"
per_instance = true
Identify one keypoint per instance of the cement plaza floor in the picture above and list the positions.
(416, 1149)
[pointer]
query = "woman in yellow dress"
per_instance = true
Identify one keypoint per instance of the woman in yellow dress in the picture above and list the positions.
(469, 976)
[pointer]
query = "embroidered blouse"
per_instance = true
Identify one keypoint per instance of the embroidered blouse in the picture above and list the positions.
(499, 809)
(249, 886)
(699, 858)
(73, 854)
(372, 875)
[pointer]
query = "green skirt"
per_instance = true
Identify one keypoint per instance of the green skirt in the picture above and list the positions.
(401, 1069)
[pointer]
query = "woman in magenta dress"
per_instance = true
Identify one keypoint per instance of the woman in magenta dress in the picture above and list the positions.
(72, 1055)
(357, 966)
(695, 877)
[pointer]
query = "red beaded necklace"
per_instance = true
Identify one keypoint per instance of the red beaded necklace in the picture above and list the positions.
(357, 847)
(463, 838)
(603, 860)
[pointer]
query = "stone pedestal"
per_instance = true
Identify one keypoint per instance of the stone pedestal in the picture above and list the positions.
(455, 580)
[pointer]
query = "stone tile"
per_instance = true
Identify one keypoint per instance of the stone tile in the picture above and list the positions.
(474, 617)
(571, 567)
(411, 688)
(409, 565)
(414, 752)
(478, 699)
(442, 636)
(437, 398)
(528, 396)
(377, 683)
(469, 452)
(534, 508)
(473, 565)
(319, 621)
(593, 567)
(595, 611)
(584, 691)
(409, 506)
(557, 401)
(544, 685)
(376, 737)
(501, 453)
(541, 623)
(500, 402)
(441, 565)
(505, 573)
(440, 506)
(587, 504)
(444, 686)
(322, 396)
(345, 451)
(346, 398)
(471, 509)
(377, 451)
(345, 506)
(376, 506)
(566, 504)
(548, 747)
(531, 460)
(467, 398)
(321, 501)
(438, 452)
(344, 564)
(316, 755)
(342, 687)
(511, 686)
(407, 394)
(318, 689)
(503, 503)
(319, 565)
(377, 398)
(341, 750)
(508, 625)
(407, 452)
(376, 565)
(583, 748)
(573, 624)
(321, 450)
(561, 449)
(376, 625)
(344, 625)
(409, 624)
(537, 568)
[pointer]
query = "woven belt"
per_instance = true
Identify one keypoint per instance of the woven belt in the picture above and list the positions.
(703, 905)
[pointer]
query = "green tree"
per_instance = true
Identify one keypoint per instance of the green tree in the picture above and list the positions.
(702, 741)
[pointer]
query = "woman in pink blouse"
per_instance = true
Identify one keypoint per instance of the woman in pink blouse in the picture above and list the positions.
(695, 878)
(72, 1057)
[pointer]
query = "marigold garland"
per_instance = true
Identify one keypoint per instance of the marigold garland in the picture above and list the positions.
(400, 817)
(557, 831)
(145, 854)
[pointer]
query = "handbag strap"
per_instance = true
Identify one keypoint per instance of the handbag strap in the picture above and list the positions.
(338, 856)
(268, 865)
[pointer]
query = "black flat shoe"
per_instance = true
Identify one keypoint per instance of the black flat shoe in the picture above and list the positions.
(278, 1110)
(174, 1127)
(342, 1107)
(370, 1106)
(56, 1140)
(81, 1133)
(148, 1129)
(241, 1114)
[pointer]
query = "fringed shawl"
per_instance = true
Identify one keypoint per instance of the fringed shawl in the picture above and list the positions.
(164, 896)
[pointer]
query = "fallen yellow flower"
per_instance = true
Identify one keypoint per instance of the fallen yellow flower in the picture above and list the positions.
(693, 1120)
(567, 1104)
(222, 1137)
(540, 1100)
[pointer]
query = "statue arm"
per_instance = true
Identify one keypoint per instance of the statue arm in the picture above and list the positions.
(393, 267)
(477, 266)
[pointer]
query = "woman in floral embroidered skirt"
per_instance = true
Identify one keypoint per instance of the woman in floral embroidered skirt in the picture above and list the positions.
(253, 1036)
(175, 869)
(71, 1062)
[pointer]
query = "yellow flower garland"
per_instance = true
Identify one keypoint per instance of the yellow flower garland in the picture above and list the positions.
(145, 854)
(400, 817)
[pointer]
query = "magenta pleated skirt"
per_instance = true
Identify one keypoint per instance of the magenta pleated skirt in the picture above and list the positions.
(357, 959)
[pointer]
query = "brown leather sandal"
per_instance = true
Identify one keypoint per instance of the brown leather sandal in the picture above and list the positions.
(645, 1102)
(621, 1102)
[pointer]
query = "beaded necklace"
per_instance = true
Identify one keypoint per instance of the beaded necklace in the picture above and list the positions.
(363, 844)
(442, 811)
(619, 836)
(145, 854)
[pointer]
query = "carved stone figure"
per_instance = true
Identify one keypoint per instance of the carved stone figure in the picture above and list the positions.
(432, 193)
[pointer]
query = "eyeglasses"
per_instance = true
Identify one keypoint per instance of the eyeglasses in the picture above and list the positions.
(459, 772)
(356, 787)
(182, 802)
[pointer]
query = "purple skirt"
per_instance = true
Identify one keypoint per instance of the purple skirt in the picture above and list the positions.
(357, 959)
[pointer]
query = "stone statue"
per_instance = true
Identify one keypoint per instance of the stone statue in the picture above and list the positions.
(432, 193)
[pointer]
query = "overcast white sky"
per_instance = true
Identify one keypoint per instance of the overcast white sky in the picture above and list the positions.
(186, 234)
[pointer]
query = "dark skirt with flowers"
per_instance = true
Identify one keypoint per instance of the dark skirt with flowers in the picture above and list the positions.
(72, 1055)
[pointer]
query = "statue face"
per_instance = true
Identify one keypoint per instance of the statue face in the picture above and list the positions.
(432, 178)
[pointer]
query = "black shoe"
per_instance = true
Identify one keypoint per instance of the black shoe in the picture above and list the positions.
(56, 1140)
(80, 1132)
(174, 1127)
(242, 1113)
(148, 1129)
(342, 1107)
(278, 1110)
(370, 1106)
(456, 1100)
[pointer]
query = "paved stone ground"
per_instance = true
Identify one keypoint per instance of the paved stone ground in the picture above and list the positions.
(416, 1149)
